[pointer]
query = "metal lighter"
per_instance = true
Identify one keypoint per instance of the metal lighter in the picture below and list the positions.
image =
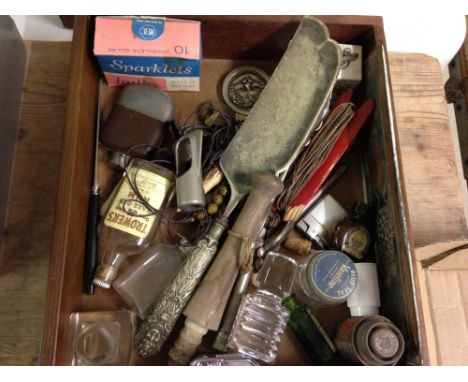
(320, 221)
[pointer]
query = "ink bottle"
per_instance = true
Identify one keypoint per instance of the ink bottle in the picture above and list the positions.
(132, 217)
(351, 235)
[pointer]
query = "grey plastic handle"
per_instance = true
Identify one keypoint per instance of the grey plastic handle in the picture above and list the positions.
(189, 181)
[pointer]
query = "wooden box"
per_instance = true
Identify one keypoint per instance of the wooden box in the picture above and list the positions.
(374, 163)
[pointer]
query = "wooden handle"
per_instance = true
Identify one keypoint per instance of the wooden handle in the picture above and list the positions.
(212, 179)
(209, 301)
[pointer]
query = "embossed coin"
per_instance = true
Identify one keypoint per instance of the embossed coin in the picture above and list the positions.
(242, 87)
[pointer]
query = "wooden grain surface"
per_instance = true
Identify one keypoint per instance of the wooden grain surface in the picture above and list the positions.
(31, 207)
(435, 199)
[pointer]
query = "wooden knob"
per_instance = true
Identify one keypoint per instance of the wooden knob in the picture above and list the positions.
(299, 246)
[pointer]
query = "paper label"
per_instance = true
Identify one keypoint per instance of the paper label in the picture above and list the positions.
(127, 213)
(334, 274)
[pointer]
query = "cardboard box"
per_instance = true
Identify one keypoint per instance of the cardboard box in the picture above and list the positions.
(442, 271)
(165, 53)
(350, 74)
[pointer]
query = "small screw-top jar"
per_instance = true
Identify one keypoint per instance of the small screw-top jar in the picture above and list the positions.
(370, 340)
(325, 278)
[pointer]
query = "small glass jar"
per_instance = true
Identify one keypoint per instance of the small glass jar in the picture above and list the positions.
(325, 278)
(101, 338)
(129, 224)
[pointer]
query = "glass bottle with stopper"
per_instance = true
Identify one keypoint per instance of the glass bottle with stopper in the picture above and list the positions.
(132, 217)
(261, 319)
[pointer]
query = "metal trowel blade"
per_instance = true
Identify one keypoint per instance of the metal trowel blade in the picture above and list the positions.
(286, 112)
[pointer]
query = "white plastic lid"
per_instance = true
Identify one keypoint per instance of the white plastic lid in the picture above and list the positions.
(365, 300)
(358, 311)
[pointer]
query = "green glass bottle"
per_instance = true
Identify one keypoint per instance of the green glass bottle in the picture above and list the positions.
(310, 333)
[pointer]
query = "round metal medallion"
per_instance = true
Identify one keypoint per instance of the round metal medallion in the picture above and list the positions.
(242, 87)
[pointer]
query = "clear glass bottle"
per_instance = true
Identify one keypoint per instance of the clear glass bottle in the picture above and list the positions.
(325, 278)
(261, 319)
(142, 283)
(129, 225)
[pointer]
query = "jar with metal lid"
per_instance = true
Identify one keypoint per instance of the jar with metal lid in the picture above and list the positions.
(325, 278)
(370, 340)
(351, 235)
(132, 216)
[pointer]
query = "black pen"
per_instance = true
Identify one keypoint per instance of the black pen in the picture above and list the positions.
(91, 245)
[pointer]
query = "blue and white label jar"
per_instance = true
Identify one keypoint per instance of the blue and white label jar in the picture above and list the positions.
(325, 278)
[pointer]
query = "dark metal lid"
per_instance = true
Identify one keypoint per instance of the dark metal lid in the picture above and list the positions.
(384, 342)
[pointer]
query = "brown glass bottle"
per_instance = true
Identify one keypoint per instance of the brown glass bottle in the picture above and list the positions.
(129, 225)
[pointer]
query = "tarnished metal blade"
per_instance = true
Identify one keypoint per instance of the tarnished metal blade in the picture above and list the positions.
(287, 110)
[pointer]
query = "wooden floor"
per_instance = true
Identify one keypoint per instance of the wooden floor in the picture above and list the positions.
(31, 207)
(418, 92)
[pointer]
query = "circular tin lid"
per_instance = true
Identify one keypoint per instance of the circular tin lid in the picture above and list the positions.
(384, 342)
(332, 275)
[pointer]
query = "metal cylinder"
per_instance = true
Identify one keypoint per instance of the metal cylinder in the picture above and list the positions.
(371, 340)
